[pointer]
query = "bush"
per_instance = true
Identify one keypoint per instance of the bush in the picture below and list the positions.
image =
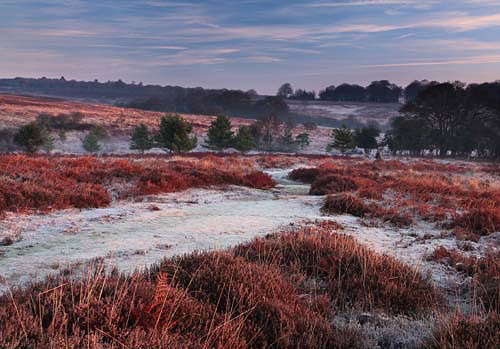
(332, 183)
(42, 183)
(344, 204)
(174, 134)
(91, 143)
(485, 273)
(305, 175)
(209, 300)
(462, 332)
(482, 220)
(7, 140)
(259, 180)
(349, 273)
(31, 137)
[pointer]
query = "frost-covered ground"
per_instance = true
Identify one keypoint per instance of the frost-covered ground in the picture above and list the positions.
(365, 112)
(132, 235)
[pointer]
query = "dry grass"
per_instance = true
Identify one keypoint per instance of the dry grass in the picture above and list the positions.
(19, 110)
(465, 198)
(48, 183)
(274, 292)
(485, 273)
(461, 332)
(349, 273)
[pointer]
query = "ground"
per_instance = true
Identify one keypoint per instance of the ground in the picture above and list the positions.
(133, 234)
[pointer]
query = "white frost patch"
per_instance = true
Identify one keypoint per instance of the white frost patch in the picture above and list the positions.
(132, 235)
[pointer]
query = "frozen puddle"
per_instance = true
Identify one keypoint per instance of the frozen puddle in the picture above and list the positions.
(133, 235)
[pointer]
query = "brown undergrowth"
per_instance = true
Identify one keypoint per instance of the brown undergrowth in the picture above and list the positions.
(278, 291)
(441, 193)
(485, 273)
(49, 183)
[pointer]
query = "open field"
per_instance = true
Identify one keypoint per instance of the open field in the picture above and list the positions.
(16, 111)
(19, 110)
(363, 112)
(370, 253)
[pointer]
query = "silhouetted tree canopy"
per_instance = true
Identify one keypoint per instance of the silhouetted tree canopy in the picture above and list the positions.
(383, 92)
(449, 119)
(285, 90)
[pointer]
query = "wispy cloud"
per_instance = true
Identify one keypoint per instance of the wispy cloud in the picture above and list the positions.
(464, 60)
(370, 3)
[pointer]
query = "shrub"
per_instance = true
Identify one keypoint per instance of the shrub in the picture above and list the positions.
(259, 180)
(305, 175)
(141, 139)
(485, 272)
(220, 135)
(481, 220)
(344, 204)
(244, 140)
(91, 143)
(461, 332)
(352, 274)
(332, 183)
(174, 134)
(31, 137)
(44, 184)
(212, 299)
(275, 314)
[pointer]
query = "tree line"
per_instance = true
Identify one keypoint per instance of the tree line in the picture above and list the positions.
(449, 119)
(382, 91)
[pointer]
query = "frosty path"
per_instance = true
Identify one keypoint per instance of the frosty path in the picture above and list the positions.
(132, 235)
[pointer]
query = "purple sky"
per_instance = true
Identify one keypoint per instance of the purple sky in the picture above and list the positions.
(255, 44)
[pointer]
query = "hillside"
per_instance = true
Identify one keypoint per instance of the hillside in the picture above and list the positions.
(18, 110)
(351, 112)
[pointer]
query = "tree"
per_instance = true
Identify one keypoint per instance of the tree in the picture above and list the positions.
(174, 134)
(244, 140)
(303, 95)
(91, 142)
(220, 135)
(48, 144)
(349, 93)
(31, 137)
(441, 108)
(327, 94)
(383, 92)
(302, 140)
(285, 90)
(342, 139)
(366, 137)
(62, 134)
(141, 139)
(413, 89)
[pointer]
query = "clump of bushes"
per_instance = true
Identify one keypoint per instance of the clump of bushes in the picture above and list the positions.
(479, 220)
(332, 183)
(344, 204)
(211, 299)
(259, 180)
(44, 184)
(305, 175)
(276, 291)
(350, 274)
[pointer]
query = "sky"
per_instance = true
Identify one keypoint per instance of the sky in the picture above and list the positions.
(251, 44)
